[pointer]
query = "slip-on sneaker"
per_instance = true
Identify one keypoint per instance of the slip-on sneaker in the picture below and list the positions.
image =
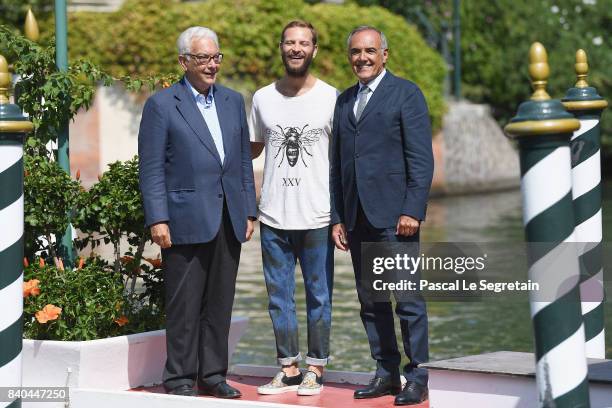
(312, 384)
(281, 383)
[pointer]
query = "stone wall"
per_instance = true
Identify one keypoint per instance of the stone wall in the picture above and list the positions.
(472, 152)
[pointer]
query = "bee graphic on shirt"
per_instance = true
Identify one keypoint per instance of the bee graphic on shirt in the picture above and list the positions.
(292, 142)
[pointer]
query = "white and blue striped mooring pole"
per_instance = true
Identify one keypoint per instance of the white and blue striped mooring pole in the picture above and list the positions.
(586, 104)
(543, 129)
(13, 127)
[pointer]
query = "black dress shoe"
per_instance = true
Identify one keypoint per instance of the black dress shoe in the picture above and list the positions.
(185, 390)
(378, 387)
(412, 394)
(220, 390)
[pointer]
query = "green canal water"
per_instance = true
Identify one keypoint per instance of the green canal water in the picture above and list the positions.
(455, 328)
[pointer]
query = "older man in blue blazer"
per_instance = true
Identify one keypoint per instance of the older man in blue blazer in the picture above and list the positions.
(196, 180)
(381, 172)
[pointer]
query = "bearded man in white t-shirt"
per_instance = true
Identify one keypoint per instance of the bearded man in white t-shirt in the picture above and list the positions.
(292, 118)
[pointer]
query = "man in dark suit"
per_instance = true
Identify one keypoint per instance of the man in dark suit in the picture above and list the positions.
(196, 179)
(381, 171)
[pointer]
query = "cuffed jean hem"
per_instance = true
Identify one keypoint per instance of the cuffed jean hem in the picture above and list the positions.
(289, 360)
(316, 361)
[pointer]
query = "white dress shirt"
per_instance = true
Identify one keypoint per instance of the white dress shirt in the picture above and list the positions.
(373, 84)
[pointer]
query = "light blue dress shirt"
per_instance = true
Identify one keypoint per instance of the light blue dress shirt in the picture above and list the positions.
(206, 105)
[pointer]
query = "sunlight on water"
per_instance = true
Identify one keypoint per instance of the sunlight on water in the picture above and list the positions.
(455, 328)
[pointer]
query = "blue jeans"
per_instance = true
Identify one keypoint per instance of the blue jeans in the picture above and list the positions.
(315, 251)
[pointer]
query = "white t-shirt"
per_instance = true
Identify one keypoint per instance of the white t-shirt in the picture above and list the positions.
(296, 131)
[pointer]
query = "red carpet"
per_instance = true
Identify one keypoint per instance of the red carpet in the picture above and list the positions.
(333, 395)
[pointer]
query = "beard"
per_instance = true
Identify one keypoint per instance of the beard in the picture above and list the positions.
(302, 70)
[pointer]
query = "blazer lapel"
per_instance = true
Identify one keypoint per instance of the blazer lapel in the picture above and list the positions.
(223, 113)
(351, 105)
(189, 110)
(377, 97)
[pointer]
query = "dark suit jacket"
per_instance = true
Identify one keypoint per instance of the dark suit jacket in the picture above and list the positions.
(181, 177)
(385, 160)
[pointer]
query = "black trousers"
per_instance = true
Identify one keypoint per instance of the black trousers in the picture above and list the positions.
(200, 281)
(377, 317)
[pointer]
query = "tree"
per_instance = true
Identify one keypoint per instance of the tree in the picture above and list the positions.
(495, 40)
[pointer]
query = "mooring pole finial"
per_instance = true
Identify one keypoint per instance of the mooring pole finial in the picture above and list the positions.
(539, 71)
(5, 81)
(582, 69)
(30, 27)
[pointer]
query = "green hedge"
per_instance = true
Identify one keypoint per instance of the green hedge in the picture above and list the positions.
(139, 39)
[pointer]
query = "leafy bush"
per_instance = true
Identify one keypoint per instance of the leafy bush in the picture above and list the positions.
(85, 303)
(90, 300)
(110, 212)
(96, 300)
(49, 196)
(139, 39)
(112, 209)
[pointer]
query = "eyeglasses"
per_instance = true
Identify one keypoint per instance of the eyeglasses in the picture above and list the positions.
(203, 59)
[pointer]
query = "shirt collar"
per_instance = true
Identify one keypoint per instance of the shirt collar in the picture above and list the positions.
(373, 84)
(207, 99)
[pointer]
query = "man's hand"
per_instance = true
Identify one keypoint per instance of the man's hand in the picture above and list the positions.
(407, 226)
(160, 233)
(339, 237)
(249, 229)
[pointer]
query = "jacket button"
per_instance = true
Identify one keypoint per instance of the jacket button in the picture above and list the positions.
(357, 156)
(220, 195)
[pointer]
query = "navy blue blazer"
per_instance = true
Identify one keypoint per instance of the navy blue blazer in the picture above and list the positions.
(182, 179)
(385, 160)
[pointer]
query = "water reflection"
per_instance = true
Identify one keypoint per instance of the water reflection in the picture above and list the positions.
(456, 328)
